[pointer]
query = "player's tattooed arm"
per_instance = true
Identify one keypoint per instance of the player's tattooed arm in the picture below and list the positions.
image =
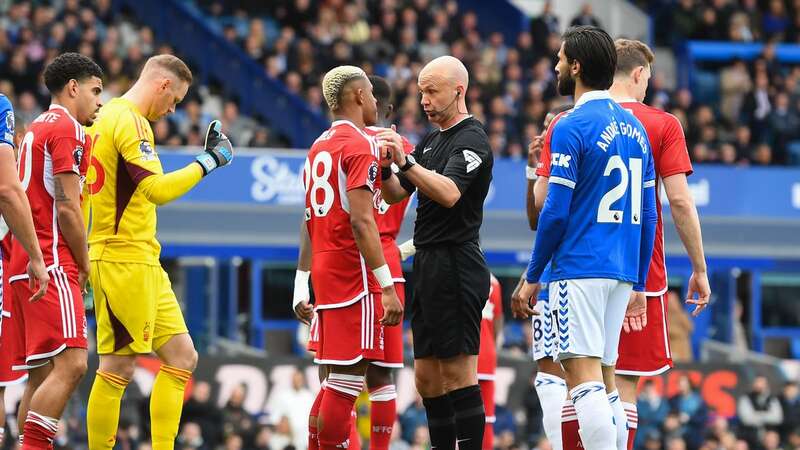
(67, 194)
(60, 195)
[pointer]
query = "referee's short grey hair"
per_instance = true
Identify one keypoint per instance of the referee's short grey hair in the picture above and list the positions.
(335, 80)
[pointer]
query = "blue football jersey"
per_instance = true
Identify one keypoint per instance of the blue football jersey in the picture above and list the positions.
(602, 152)
(6, 121)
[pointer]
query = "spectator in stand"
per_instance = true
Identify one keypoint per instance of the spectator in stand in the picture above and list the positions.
(790, 404)
(680, 328)
(191, 438)
(691, 411)
(292, 403)
(653, 409)
(412, 418)
(759, 411)
(585, 17)
(236, 419)
(201, 410)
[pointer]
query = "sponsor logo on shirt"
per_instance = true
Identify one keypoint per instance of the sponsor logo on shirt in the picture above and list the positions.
(473, 160)
(560, 160)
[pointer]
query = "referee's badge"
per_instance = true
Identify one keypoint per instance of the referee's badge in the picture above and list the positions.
(473, 160)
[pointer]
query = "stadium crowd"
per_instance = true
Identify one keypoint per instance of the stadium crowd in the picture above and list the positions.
(755, 120)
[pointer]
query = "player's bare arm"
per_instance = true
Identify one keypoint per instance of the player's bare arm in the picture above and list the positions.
(16, 211)
(302, 296)
(687, 222)
(439, 188)
(392, 191)
(534, 150)
(67, 189)
(365, 232)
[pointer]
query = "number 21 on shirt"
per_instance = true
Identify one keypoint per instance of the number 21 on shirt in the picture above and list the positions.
(604, 212)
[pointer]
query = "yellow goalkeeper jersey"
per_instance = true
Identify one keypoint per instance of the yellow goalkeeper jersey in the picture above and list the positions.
(122, 219)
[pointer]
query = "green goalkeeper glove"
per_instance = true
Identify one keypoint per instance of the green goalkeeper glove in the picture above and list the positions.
(218, 149)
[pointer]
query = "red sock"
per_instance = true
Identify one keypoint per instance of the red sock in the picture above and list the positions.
(633, 422)
(382, 415)
(313, 438)
(355, 439)
(487, 392)
(39, 431)
(570, 438)
(336, 410)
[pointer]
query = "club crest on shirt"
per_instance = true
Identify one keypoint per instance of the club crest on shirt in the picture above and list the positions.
(148, 154)
(9, 133)
(372, 175)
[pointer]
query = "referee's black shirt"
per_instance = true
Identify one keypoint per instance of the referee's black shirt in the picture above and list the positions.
(461, 153)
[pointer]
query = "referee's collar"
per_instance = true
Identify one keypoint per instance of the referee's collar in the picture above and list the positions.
(455, 124)
(593, 95)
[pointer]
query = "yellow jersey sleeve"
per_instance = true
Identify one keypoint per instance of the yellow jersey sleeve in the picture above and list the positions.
(133, 139)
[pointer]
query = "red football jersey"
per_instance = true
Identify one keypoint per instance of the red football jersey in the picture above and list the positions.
(55, 143)
(543, 167)
(671, 157)
(390, 219)
(342, 158)
(487, 355)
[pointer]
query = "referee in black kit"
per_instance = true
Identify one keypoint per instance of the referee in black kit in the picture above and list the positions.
(451, 168)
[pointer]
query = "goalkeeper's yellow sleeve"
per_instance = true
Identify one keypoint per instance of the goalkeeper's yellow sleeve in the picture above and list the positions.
(161, 188)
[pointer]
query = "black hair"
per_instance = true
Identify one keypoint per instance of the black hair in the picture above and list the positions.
(560, 108)
(594, 49)
(381, 89)
(69, 66)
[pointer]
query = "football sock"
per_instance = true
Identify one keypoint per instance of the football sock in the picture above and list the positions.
(102, 411)
(470, 417)
(620, 420)
(569, 437)
(2, 433)
(382, 415)
(355, 438)
(166, 404)
(487, 393)
(441, 421)
(595, 418)
(39, 431)
(552, 392)
(336, 409)
(313, 437)
(633, 422)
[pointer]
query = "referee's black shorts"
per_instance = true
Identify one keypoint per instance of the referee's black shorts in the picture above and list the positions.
(451, 286)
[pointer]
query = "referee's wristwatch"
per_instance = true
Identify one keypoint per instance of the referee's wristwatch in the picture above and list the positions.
(410, 162)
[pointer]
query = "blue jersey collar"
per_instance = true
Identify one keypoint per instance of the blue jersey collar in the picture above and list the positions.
(593, 95)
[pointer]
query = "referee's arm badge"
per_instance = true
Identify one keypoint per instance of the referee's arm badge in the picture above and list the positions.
(473, 161)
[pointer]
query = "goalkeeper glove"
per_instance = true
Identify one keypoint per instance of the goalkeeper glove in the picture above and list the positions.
(218, 149)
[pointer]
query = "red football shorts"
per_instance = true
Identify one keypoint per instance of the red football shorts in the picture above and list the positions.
(51, 324)
(392, 337)
(8, 341)
(647, 353)
(350, 333)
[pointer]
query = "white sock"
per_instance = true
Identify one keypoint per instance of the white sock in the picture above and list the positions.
(595, 418)
(633, 418)
(552, 392)
(2, 434)
(620, 420)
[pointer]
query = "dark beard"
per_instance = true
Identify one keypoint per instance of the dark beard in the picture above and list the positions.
(566, 86)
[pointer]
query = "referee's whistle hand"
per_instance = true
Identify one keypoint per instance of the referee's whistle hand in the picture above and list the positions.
(392, 309)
